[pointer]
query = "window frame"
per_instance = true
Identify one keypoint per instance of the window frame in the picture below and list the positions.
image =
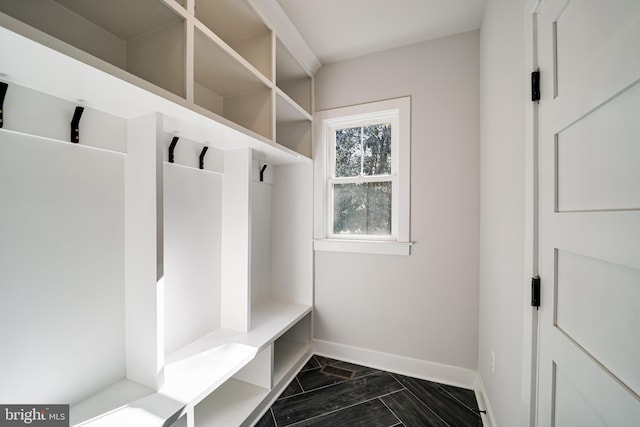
(395, 111)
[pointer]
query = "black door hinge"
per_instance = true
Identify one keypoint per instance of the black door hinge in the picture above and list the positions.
(535, 291)
(3, 92)
(535, 86)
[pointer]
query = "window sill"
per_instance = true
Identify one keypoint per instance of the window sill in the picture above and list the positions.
(363, 247)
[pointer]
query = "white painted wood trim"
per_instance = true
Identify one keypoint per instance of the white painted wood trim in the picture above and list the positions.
(488, 420)
(529, 315)
(444, 374)
(363, 247)
(397, 111)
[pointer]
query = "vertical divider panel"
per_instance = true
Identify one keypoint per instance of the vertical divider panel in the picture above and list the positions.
(261, 219)
(259, 370)
(144, 252)
(236, 240)
(292, 234)
(189, 60)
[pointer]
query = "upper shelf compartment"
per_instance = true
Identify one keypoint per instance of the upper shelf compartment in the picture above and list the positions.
(225, 87)
(236, 23)
(293, 103)
(292, 79)
(143, 37)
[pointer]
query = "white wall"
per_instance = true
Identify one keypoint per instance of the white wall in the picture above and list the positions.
(423, 306)
(502, 187)
(192, 229)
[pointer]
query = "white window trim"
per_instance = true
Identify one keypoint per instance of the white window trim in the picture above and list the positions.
(327, 121)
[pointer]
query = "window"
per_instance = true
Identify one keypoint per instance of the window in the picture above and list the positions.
(362, 178)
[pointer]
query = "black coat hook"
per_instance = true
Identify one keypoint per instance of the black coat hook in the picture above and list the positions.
(75, 125)
(3, 92)
(172, 147)
(202, 154)
(262, 172)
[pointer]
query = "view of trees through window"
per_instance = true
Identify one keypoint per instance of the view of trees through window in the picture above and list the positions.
(363, 207)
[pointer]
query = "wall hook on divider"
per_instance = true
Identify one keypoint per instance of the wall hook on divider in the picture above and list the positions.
(75, 125)
(3, 92)
(262, 172)
(172, 147)
(202, 154)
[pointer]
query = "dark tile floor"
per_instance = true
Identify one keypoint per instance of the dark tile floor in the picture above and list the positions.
(370, 398)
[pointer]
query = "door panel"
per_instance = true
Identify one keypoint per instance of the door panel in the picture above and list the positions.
(598, 156)
(589, 180)
(573, 408)
(583, 30)
(586, 288)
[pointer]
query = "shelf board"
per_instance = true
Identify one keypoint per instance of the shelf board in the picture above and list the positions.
(124, 18)
(271, 319)
(116, 396)
(230, 405)
(190, 379)
(231, 19)
(221, 69)
(288, 110)
(154, 410)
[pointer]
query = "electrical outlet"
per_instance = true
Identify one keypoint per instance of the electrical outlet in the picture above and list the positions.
(493, 362)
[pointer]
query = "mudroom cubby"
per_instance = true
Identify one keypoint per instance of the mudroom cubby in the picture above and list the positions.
(225, 87)
(62, 251)
(237, 24)
(192, 249)
(143, 37)
(157, 270)
(281, 210)
(290, 348)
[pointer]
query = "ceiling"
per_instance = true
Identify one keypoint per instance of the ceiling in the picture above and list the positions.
(337, 30)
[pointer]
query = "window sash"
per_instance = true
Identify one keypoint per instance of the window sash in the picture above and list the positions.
(370, 119)
(330, 205)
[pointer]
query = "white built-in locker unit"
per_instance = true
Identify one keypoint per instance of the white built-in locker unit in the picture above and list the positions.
(158, 268)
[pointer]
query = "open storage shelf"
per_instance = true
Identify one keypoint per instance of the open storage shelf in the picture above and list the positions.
(143, 37)
(290, 348)
(235, 22)
(225, 87)
(293, 103)
(292, 79)
(230, 404)
(293, 125)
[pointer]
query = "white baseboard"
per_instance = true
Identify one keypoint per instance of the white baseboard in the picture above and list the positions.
(483, 402)
(444, 374)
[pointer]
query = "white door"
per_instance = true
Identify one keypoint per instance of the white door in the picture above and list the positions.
(589, 139)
